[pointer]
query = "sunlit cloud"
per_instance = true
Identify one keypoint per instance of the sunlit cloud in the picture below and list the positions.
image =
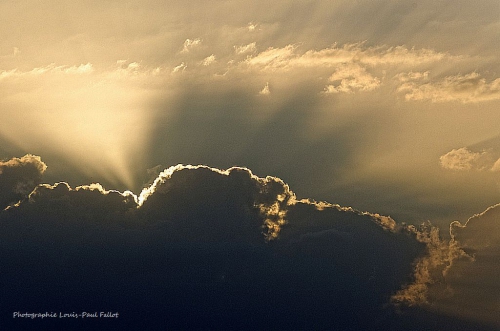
(496, 166)
(208, 60)
(464, 159)
(469, 88)
(189, 44)
(51, 68)
(252, 26)
(430, 269)
(265, 90)
(351, 77)
(107, 102)
(273, 57)
(475, 279)
(411, 76)
(288, 56)
(180, 67)
(250, 48)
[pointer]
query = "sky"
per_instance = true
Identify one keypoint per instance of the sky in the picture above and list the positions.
(387, 111)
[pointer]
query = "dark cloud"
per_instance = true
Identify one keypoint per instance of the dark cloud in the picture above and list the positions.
(459, 278)
(202, 248)
(208, 248)
(474, 278)
(18, 177)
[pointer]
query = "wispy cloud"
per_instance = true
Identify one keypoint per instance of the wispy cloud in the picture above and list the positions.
(189, 44)
(288, 56)
(265, 90)
(469, 88)
(244, 49)
(49, 69)
(180, 67)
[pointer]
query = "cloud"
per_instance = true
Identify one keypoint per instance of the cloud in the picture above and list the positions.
(189, 44)
(350, 78)
(273, 57)
(430, 269)
(265, 90)
(208, 60)
(249, 48)
(209, 234)
(496, 166)
(287, 57)
(115, 105)
(464, 159)
(409, 76)
(180, 67)
(199, 234)
(51, 68)
(469, 88)
(108, 121)
(459, 277)
(480, 232)
(18, 177)
(474, 280)
(235, 189)
(252, 26)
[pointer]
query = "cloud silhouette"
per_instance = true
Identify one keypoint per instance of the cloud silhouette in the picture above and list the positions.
(203, 247)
